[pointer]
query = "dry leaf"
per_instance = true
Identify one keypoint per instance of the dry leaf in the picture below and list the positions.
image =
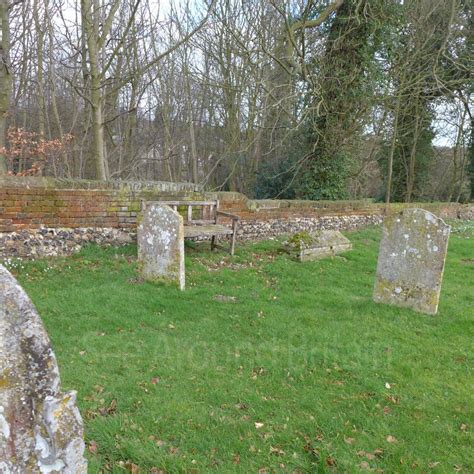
(364, 465)
(258, 425)
(432, 465)
(276, 451)
(155, 380)
(387, 386)
(92, 448)
(110, 410)
(463, 427)
(132, 468)
(391, 439)
(387, 410)
(349, 440)
(236, 459)
(330, 461)
(393, 399)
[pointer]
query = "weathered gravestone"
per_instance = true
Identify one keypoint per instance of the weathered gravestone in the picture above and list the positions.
(161, 244)
(40, 427)
(319, 244)
(411, 260)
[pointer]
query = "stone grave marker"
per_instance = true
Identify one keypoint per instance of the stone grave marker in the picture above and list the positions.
(41, 429)
(411, 260)
(319, 244)
(160, 237)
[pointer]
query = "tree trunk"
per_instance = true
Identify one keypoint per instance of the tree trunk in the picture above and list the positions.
(39, 26)
(95, 94)
(5, 80)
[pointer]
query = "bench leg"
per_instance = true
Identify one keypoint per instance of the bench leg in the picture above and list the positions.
(213, 242)
(234, 237)
(232, 244)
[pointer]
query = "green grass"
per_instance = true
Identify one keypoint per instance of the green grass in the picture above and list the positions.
(302, 372)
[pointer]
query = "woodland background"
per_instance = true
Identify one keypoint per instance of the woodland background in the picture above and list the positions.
(310, 99)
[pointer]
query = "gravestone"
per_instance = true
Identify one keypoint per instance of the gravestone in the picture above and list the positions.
(41, 429)
(411, 260)
(316, 245)
(160, 237)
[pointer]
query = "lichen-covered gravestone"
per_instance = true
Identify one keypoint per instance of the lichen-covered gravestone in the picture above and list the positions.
(160, 236)
(316, 245)
(41, 429)
(411, 260)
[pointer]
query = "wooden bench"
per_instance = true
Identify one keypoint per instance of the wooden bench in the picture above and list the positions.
(201, 219)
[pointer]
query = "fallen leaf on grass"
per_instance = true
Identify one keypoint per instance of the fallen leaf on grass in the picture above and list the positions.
(236, 459)
(349, 440)
(391, 439)
(276, 451)
(132, 468)
(330, 461)
(110, 410)
(158, 442)
(387, 410)
(258, 372)
(463, 427)
(155, 380)
(393, 399)
(364, 465)
(258, 425)
(309, 449)
(92, 448)
(432, 465)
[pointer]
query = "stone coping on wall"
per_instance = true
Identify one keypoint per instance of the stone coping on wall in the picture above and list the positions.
(265, 205)
(64, 183)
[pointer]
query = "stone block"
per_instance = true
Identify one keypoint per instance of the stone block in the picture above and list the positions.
(411, 260)
(318, 244)
(160, 237)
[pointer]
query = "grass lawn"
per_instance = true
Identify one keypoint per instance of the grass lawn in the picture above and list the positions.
(298, 372)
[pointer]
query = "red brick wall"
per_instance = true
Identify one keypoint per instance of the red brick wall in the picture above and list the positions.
(31, 204)
(27, 203)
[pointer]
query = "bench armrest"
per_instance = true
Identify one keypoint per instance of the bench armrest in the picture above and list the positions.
(227, 214)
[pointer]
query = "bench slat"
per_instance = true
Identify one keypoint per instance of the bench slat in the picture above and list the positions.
(185, 203)
(201, 221)
(206, 230)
